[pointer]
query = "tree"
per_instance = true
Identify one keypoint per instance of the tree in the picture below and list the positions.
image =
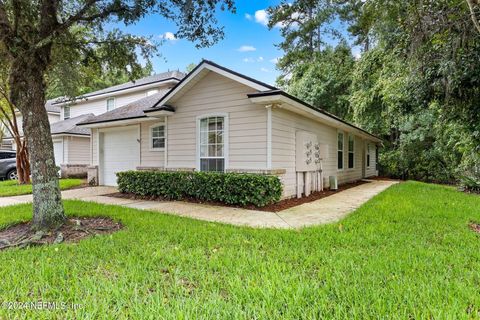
(474, 6)
(38, 35)
(325, 82)
(9, 120)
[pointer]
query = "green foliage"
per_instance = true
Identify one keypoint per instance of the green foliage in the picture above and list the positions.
(406, 254)
(10, 188)
(229, 188)
(325, 82)
(416, 84)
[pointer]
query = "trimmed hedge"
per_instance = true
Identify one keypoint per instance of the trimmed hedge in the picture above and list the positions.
(229, 188)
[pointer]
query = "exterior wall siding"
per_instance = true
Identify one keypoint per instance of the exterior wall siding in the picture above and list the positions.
(285, 124)
(149, 158)
(78, 150)
(247, 123)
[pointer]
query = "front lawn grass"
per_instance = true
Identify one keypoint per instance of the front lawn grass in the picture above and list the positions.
(10, 188)
(406, 254)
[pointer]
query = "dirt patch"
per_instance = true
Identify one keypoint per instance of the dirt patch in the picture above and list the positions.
(279, 206)
(475, 227)
(75, 229)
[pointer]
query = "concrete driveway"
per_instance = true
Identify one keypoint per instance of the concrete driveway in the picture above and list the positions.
(326, 210)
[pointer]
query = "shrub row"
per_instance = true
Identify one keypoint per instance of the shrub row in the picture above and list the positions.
(229, 188)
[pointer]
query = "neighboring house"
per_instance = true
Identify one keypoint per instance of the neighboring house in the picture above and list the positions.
(218, 120)
(53, 116)
(71, 143)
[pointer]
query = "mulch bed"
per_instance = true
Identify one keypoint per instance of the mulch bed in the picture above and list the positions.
(75, 229)
(383, 178)
(475, 227)
(279, 206)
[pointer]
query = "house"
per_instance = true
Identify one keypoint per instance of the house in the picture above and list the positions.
(216, 119)
(53, 113)
(72, 143)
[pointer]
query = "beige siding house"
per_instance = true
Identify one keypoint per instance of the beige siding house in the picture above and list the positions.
(218, 120)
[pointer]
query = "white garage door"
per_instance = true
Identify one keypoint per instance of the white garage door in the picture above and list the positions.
(58, 151)
(119, 151)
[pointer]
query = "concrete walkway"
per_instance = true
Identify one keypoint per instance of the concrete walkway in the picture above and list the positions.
(326, 210)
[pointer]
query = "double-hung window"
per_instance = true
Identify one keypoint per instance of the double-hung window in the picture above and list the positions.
(110, 104)
(66, 112)
(212, 143)
(340, 151)
(351, 151)
(157, 137)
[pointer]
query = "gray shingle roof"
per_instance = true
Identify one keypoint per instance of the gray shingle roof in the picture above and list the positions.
(69, 126)
(131, 84)
(50, 107)
(129, 111)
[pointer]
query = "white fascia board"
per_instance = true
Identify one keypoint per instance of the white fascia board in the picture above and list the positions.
(294, 106)
(209, 67)
(159, 114)
(115, 123)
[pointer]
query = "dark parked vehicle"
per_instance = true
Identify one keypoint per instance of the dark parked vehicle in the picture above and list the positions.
(8, 165)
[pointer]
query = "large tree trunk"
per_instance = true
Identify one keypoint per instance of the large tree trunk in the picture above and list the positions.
(27, 91)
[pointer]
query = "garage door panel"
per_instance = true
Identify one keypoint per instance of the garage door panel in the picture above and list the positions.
(120, 151)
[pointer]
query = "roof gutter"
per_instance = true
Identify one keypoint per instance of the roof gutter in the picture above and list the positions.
(114, 122)
(287, 102)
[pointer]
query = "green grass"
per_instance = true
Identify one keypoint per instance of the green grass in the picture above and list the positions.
(407, 253)
(10, 188)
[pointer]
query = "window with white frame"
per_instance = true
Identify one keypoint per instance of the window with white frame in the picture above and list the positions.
(340, 151)
(110, 104)
(151, 92)
(212, 144)
(351, 151)
(157, 137)
(66, 112)
(368, 155)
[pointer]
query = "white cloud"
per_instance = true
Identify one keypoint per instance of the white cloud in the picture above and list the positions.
(168, 36)
(264, 69)
(261, 16)
(246, 49)
(248, 16)
(274, 60)
(252, 60)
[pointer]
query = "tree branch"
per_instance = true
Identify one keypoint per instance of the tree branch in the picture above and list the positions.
(5, 27)
(471, 6)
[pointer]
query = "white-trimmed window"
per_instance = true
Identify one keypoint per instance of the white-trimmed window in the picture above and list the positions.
(110, 104)
(368, 155)
(212, 143)
(151, 92)
(66, 112)
(340, 148)
(351, 151)
(157, 137)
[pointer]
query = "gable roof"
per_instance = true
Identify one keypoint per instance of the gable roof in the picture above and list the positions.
(160, 77)
(261, 91)
(69, 126)
(50, 107)
(133, 110)
(199, 72)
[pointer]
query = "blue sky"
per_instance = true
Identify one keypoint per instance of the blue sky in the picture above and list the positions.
(248, 46)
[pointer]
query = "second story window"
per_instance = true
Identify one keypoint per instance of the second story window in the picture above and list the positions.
(66, 112)
(110, 104)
